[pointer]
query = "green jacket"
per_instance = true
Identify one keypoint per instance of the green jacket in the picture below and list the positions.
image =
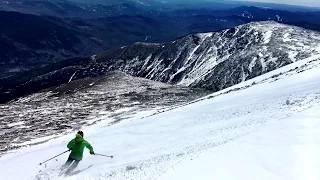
(76, 146)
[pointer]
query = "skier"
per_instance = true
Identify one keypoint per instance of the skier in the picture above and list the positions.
(76, 146)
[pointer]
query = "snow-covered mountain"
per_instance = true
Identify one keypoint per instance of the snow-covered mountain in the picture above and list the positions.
(216, 60)
(264, 128)
(208, 60)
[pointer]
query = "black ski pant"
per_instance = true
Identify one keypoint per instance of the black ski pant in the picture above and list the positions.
(73, 165)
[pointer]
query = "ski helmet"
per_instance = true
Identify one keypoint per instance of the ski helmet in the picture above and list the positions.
(80, 133)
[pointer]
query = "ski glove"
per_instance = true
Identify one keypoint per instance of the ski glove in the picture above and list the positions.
(91, 152)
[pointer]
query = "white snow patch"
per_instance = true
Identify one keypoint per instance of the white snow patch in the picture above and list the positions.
(263, 64)
(286, 37)
(179, 71)
(35, 141)
(267, 36)
(273, 59)
(15, 124)
(123, 110)
(300, 44)
(292, 55)
(72, 77)
(146, 61)
(260, 54)
(278, 18)
(203, 36)
(252, 63)
(93, 57)
(192, 53)
(142, 3)
(202, 69)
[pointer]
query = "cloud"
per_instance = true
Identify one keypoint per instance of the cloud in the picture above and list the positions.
(292, 2)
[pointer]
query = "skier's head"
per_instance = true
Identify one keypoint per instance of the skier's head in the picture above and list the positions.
(79, 137)
(80, 133)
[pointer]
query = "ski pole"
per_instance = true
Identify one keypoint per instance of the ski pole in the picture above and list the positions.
(54, 157)
(103, 155)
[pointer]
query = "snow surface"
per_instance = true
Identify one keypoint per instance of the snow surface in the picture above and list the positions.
(264, 128)
(282, 150)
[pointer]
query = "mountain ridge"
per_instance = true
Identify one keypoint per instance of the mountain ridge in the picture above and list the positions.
(191, 43)
(206, 60)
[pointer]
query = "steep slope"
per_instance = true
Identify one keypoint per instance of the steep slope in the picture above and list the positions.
(265, 128)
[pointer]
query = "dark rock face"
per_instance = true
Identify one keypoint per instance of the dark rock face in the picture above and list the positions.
(207, 60)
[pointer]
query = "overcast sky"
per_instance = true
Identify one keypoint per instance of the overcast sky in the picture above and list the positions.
(293, 2)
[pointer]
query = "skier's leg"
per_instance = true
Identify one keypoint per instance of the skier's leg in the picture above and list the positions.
(67, 164)
(73, 166)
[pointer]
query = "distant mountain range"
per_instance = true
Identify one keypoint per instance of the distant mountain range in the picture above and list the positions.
(213, 61)
(30, 41)
(66, 9)
(80, 30)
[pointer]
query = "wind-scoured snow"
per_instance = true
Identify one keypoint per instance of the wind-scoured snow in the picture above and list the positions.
(264, 128)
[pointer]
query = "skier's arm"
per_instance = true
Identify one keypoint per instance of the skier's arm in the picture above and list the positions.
(70, 144)
(88, 145)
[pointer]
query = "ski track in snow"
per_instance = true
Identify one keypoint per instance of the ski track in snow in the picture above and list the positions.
(264, 128)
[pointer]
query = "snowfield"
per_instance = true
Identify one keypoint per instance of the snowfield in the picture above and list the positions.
(264, 128)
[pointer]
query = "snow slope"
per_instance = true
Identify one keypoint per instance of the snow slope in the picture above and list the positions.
(282, 150)
(264, 128)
